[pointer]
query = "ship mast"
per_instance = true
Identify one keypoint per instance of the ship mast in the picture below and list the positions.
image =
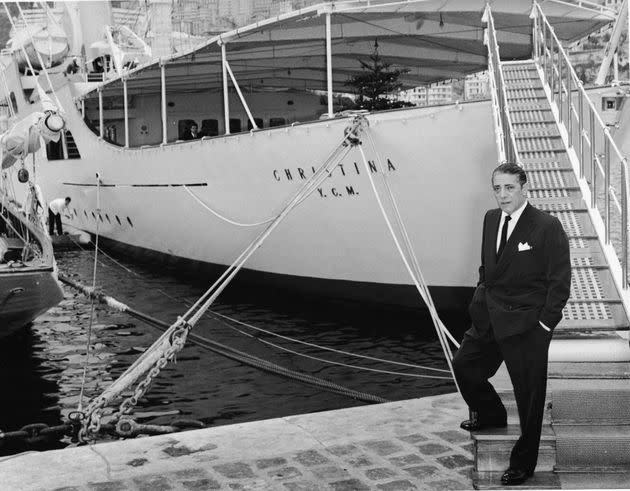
(159, 36)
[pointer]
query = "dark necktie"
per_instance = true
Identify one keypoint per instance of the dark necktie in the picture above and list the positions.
(503, 235)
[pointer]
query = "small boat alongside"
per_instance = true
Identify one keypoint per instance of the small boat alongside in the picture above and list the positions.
(28, 277)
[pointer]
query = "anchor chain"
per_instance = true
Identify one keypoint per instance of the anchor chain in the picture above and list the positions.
(93, 416)
(37, 432)
(92, 423)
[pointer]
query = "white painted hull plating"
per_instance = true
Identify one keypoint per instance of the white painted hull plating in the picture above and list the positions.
(441, 159)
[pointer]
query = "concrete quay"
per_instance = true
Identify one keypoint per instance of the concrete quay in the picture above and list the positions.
(412, 444)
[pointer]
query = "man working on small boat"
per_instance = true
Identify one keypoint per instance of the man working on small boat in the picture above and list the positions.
(55, 208)
(524, 283)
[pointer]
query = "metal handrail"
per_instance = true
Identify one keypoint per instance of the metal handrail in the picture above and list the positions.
(496, 109)
(559, 75)
(506, 141)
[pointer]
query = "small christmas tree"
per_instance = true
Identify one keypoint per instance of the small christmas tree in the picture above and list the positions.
(375, 83)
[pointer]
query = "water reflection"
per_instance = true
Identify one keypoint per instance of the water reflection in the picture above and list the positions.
(48, 362)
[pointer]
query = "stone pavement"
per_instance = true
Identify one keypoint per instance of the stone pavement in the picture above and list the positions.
(413, 444)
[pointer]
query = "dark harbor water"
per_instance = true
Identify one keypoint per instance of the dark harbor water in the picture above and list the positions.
(41, 370)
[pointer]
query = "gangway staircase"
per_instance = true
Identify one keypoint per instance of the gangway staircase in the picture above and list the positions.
(586, 429)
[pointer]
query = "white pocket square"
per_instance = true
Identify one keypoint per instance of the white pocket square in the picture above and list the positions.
(524, 247)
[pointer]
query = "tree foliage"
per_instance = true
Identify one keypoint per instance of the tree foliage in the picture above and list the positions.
(375, 83)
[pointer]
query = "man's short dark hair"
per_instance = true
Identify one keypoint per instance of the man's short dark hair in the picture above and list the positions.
(68, 199)
(511, 168)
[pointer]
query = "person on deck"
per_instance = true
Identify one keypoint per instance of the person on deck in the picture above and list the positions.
(192, 133)
(55, 208)
(524, 283)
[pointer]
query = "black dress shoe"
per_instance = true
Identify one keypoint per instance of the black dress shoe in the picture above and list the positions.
(514, 477)
(476, 425)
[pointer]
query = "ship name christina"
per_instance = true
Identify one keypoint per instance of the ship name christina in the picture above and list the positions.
(301, 173)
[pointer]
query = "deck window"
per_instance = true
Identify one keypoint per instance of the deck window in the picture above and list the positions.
(259, 123)
(235, 125)
(611, 103)
(277, 121)
(209, 127)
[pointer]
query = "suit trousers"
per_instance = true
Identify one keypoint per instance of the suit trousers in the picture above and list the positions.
(54, 219)
(525, 355)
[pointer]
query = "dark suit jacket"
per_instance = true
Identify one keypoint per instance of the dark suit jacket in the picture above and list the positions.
(523, 287)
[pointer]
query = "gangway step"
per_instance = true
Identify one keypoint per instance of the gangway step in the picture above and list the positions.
(540, 480)
(575, 224)
(596, 446)
(524, 93)
(520, 74)
(577, 206)
(588, 401)
(558, 194)
(529, 105)
(540, 144)
(552, 179)
(493, 447)
(545, 160)
(589, 370)
(591, 326)
(532, 162)
(528, 115)
(535, 130)
(528, 83)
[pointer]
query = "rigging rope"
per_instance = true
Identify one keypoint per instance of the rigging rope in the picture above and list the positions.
(254, 224)
(221, 217)
(312, 345)
(414, 269)
(347, 365)
(7, 93)
(225, 350)
(165, 348)
(39, 57)
(115, 304)
(89, 333)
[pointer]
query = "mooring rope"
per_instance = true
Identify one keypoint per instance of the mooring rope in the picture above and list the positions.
(225, 350)
(89, 331)
(347, 365)
(225, 320)
(173, 339)
(414, 268)
(222, 217)
(39, 57)
(252, 224)
(325, 348)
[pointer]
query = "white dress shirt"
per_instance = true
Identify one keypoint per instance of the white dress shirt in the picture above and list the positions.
(58, 206)
(516, 214)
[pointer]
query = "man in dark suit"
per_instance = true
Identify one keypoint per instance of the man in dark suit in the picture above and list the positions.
(192, 133)
(524, 283)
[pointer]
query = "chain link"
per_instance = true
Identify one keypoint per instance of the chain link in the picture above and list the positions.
(177, 339)
(92, 424)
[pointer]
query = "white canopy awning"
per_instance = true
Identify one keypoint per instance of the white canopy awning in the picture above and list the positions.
(433, 39)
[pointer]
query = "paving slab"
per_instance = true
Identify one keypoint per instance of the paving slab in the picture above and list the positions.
(404, 445)
(412, 444)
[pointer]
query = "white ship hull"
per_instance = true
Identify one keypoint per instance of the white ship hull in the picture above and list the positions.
(337, 234)
(161, 197)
